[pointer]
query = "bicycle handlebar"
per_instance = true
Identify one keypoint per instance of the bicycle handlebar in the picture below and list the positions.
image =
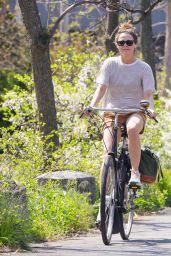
(123, 111)
(117, 110)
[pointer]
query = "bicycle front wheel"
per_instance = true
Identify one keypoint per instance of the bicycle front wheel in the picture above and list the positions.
(126, 213)
(108, 181)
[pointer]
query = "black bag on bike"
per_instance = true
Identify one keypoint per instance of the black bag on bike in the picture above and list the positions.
(149, 168)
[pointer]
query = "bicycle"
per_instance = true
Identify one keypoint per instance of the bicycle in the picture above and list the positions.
(117, 204)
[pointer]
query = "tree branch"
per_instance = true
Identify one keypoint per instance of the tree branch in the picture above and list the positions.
(103, 2)
(70, 8)
(145, 12)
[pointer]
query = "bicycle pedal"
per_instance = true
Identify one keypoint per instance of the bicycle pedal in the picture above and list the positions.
(134, 186)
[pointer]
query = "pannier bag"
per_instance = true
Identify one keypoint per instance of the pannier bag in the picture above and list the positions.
(149, 168)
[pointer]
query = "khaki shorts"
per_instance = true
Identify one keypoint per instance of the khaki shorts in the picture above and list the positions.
(109, 119)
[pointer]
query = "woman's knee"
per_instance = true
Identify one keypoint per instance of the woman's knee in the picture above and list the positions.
(135, 124)
(133, 130)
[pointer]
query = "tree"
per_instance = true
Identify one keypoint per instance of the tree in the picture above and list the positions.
(167, 47)
(147, 38)
(39, 44)
(111, 25)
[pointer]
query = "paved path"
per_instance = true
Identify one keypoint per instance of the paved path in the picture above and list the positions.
(151, 235)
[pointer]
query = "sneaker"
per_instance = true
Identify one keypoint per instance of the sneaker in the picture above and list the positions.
(135, 178)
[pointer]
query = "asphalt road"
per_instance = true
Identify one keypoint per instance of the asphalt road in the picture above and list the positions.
(151, 235)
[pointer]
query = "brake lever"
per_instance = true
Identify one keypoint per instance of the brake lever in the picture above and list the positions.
(149, 114)
(81, 115)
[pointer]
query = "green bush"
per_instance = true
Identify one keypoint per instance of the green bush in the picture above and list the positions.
(55, 213)
(51, 213)
(165, 185)
(151, 198)
(13, 227)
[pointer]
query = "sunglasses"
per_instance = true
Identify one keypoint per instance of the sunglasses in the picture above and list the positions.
(127, 42)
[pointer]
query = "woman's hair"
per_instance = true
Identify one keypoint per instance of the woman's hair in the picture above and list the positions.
(126, 27)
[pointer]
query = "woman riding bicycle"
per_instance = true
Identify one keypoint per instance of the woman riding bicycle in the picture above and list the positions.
(123, 82)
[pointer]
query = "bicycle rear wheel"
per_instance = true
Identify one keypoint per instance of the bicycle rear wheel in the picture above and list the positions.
(126, 213)
(108, 181)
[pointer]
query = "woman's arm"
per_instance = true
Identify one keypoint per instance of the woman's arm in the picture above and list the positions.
(148, 95)
(98, 95)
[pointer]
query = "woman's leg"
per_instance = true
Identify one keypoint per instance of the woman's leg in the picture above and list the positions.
(107, 137)
(135, 124)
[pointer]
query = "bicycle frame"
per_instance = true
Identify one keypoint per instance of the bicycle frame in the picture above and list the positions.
(114, 136)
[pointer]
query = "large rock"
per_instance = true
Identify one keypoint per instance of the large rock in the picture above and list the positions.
(82, 182)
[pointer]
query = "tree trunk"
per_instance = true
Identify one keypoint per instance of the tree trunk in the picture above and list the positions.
(147, 39)
(39, 44)
(44, 91)
(167, 47)
(111, 24)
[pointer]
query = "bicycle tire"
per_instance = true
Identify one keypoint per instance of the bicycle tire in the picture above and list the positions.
(126, 214)
(107, 209)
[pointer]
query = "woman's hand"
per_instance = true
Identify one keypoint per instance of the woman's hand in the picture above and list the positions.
(88, 111)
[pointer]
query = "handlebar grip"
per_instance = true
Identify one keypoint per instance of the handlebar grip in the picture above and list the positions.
(88, 109)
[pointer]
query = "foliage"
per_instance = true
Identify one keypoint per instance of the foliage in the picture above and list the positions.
(165, 185)
(14, 227)
(55, 213)
(154, 135)
(13, 51)
(74, 74)
(14, 54)
(52, 213)
(151, 198)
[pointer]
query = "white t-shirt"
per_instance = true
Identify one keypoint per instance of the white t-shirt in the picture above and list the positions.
(125, 83)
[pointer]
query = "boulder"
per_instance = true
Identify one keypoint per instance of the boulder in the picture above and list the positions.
(81, 181)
